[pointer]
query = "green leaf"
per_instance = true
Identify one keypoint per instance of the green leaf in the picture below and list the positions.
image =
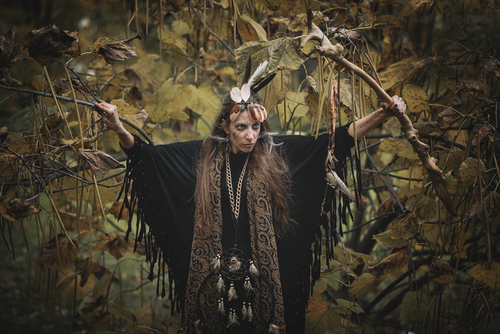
(414, 306)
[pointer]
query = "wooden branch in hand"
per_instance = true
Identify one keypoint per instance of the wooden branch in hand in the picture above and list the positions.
(336, 53)
(88, 104)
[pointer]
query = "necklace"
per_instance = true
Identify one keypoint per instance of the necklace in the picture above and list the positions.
(235, 203)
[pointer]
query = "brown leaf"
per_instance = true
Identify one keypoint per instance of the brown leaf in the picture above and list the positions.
(470, 169)
(48, 44)
(121, 311)
(391, 263)
(487, 273)
(490, 204)
(112, 50)
(441, 271)
(64, 259)
(386, 240)
(250, 30)
(115, 210)
(87, 267)
(9, 53)
(115, 244)
(457, 241)
(404, 227)
(16, 209)
(491, 78)
(100, 162)
(54, 122)
(103, 285)
(74, 50)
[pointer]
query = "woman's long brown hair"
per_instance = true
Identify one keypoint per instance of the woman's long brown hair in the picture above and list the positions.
(270, 167)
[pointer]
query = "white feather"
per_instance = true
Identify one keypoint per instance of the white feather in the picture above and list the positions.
(258, 73)
(245, 92)
(236, 95)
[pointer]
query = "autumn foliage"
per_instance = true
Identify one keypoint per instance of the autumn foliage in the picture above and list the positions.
(408, 261)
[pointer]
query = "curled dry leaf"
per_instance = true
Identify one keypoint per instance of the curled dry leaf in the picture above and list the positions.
(48, 44)
(88, 267)
(250, 30)
(115, 244)
(100, 162)
(59, 253)
(112, 50)
(115, 210)
(404, 227)
(391, 263)
(54, 122)
(16, 209)
(9, 54)
(441, 271)
(486, 212)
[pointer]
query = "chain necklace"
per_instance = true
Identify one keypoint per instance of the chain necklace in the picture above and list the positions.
(235, 204)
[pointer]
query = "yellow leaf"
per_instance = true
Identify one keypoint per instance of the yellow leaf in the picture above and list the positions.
(169, 133)
(424, 207)
(250, 30)
(88, 192)
(67, 286)
(394, 145)
(124, 107)
(487, 273)
(470, 169)
(416, 98)
(203, 100)
(404, 227)
(319, 317)
(364, 284)
(167, 103)
(181, 28)
(295, 107)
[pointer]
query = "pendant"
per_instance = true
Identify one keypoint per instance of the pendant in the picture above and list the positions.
(234, 264)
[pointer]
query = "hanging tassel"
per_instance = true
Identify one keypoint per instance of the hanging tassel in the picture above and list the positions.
(253, 269)
(198, 326)
(232, 292)
(249, 312)
(274, 329)
(247, 286)
(233, 318)
(216, 264)
(244, 311)
(221, 307)
(221, 286)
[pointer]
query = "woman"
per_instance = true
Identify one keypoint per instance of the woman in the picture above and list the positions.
(234, 215)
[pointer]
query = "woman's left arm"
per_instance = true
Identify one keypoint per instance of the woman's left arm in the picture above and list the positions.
(366, 124)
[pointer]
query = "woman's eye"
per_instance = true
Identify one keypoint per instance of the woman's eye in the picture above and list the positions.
(256, 126)
(240, 127)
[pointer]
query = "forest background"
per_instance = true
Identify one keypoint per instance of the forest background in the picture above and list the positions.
(407, 263)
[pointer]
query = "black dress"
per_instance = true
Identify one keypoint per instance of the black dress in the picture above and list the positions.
(164, 181)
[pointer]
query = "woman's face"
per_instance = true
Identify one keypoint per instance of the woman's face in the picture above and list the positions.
(243, 133)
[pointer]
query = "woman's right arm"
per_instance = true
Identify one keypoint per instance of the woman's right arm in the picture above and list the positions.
(109, 115)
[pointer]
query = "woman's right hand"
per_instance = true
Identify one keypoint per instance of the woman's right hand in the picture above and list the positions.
(109, 115)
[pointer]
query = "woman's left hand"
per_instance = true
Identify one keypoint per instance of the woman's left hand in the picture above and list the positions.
(397, 109)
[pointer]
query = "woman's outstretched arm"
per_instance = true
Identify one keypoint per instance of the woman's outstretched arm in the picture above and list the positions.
(366, 124)
(109, 115)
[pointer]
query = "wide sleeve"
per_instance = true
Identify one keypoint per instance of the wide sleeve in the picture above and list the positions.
(161, 182)
(306, 157)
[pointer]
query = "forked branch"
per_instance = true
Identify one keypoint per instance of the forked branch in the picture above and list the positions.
(336, 53)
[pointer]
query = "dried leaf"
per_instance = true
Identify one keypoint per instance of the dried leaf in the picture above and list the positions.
(441, 271)
(275, 5)
(74, 50)
(250, 30)
(391, 263)
(457, 241)
(347, 306)
(416, 99)
(48, 44)
(115, 210)
(404, 227)
(69, 287)
(149, 72)
(470, 169)
(487, 273)
(100, 163)
(88, 193)
(16, 209)
(181, 28)
(364, 284)
(424, 208)
(115, 244)
(354, 258)
(399, 146)
(9, 54)
(319, 317)
(121, 312)
(203, 100)
(490, 204)
(88, 267)
(103, 285)
(112, 50)
(386, 240)
(414, 306)
(51, 258)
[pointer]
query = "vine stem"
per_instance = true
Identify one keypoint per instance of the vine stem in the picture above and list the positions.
(88, 104)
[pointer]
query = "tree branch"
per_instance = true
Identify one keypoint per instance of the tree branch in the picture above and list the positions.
(68, 99)
(336, 53)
